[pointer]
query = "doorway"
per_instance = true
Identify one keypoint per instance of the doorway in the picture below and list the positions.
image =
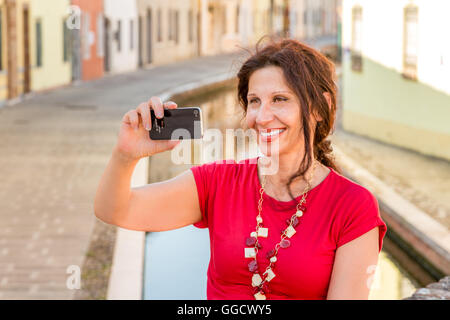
(149, 36)
(26, 51)
(141, 62)
(107, 41)
(11, 37)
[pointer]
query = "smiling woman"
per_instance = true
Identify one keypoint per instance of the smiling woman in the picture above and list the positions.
(301, 232)
(292, 250)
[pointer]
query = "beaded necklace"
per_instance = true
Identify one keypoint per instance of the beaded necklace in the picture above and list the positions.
(258, 283)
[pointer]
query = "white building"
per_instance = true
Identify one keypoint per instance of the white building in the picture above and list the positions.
(396, 72)
(121, 35)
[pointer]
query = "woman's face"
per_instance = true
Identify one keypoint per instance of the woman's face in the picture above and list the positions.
(274, 112)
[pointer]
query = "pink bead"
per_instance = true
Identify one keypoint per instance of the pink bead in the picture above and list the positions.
(285, 243)
(250, 241)
(295, 221)
(270, 254)
(253, 266)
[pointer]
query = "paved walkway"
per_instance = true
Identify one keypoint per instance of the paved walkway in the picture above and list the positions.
(54, 148)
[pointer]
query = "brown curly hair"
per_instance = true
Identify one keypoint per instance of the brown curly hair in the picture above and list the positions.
(309, 74)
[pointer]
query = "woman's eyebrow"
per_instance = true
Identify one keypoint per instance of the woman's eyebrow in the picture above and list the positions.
(279, 91)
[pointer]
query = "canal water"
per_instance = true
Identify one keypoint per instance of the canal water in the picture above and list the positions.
(176, 261)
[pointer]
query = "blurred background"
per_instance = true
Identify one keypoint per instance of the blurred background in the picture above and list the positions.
(69, 71)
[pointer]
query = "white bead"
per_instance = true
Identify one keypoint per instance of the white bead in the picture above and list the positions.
(250, 252)
(256, 280)
(290, 231)
(263, 232)
(260, 296)
(273, 259)
(259, 219)
(299, 213)
(253, 234)
(270, 275)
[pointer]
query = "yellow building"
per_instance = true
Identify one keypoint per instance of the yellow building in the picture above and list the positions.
(261, 19)
(14, 51)
(50, 52)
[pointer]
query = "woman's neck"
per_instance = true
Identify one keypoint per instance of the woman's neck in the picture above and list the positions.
(276, 184)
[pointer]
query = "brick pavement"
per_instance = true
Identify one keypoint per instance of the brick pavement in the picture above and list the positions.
(53, 150)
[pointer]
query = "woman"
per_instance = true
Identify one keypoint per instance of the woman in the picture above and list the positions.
(304, 232)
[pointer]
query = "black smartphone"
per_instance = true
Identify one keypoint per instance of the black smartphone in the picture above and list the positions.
(177, 124)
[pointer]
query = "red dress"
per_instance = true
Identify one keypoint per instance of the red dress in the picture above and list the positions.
(338, 211)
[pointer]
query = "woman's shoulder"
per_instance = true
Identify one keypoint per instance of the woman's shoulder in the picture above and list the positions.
(349, 190)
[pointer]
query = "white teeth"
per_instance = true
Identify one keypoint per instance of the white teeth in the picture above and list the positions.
(271, 133)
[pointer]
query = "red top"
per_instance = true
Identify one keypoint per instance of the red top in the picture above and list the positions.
(338, 210)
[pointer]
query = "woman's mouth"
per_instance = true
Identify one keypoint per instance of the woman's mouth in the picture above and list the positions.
(268, 135)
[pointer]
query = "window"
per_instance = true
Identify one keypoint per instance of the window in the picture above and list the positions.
(170, 24)
(100, 35)
(236, 26)
(131, 34)
(119, 35)
(356, 49)
(66, 41)
(176, 26)
(410, 44)
(86, 27)
(224, 19)
(159, 26)
(39, 43)
(191, 25)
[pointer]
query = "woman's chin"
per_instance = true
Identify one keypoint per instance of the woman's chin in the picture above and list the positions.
(268, 150)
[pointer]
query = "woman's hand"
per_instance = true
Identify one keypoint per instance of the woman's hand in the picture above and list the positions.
(134, 140)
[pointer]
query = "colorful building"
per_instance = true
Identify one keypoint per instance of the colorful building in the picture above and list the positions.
(396, 72)
(261, 13)
(88, 40)
(168, 31)
(311, 19)
(15, 64)
(121, 36)
(50, 44)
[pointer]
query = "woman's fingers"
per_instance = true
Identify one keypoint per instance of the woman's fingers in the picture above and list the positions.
(144, 111)
(156, 104)
(170, 105)
(133, 119)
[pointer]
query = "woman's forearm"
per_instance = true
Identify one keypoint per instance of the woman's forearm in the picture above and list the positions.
(113, 193)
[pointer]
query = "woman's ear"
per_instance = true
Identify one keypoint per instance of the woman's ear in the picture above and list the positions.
(328, 97)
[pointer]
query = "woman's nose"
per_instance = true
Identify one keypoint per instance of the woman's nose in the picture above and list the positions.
(265, 114)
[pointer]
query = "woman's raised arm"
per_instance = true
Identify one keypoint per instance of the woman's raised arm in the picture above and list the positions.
(158, 206)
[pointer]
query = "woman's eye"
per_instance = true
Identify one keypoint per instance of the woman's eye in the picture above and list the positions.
(252, 100)
(279, 99)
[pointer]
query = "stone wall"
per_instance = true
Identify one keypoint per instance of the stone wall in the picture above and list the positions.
(434, 291)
